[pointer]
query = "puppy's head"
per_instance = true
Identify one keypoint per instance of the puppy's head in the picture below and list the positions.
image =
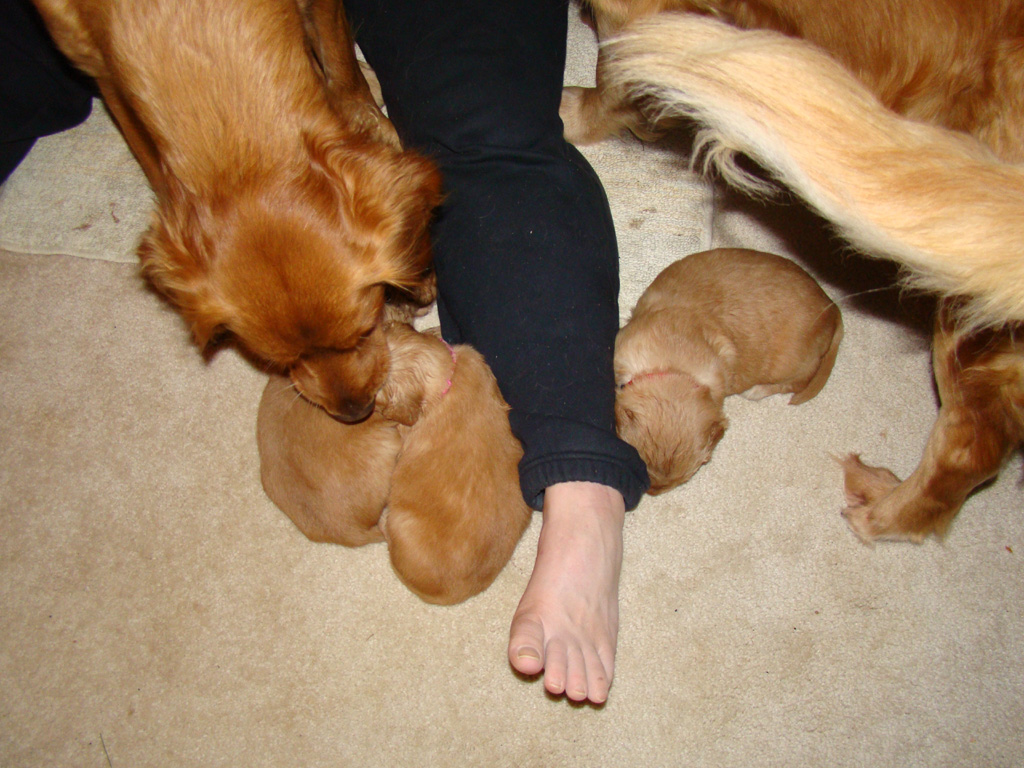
(421, 372)
(673, 422)
(296, 265)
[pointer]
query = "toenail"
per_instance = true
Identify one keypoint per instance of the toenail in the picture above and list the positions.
(528, 653)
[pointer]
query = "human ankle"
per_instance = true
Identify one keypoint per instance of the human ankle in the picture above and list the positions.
(576, 498)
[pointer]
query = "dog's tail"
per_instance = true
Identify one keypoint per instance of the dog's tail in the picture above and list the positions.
(936, 201)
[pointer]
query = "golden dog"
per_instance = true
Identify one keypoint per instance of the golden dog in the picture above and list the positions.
(954, 63)
(285, 210)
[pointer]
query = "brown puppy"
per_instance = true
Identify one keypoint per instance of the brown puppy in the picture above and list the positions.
(285, 211)
(930, 198)
(718, 323)
(438, 453)
(331, 479)
(456, 512)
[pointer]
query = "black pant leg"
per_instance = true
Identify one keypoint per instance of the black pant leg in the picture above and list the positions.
(525, 250)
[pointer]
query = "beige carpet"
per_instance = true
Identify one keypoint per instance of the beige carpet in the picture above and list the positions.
(159, 611)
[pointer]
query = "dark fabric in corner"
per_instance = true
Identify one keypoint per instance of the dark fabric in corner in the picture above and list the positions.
(40, 91)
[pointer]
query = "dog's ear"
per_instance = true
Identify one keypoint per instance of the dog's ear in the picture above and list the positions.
(174, 262)
(391, 196)
(715, 433)
(415, 199)
(398, 406)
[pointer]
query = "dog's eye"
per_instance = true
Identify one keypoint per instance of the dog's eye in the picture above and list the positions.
(365, 336)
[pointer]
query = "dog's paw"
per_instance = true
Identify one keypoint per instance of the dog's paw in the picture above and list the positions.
(868, 489)
(590, 115)
(865, 484)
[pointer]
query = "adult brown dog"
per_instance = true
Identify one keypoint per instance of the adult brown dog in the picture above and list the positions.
(285, 211)
(932, 199)
(433, 470)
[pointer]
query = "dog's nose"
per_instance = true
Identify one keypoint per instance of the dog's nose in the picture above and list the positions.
(350, 412)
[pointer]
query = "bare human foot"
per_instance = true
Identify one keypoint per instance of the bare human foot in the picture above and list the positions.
(567, 622)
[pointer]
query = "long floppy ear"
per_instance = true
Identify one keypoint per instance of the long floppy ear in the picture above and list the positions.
(390, 196)
(175, 262)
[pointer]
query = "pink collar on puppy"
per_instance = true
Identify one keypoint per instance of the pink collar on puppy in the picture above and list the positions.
(448, 384)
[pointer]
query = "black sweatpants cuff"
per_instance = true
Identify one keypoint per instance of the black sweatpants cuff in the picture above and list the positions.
(539, 474)
(560, 452)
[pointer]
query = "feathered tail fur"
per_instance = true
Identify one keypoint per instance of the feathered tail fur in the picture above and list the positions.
(931, 199)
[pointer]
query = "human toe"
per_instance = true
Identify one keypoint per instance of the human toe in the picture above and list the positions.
(599, 678)
(526, 641)
(556, 666)
(577, 678)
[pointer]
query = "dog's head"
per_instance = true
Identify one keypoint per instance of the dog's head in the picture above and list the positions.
(673, 422)
(297, 267)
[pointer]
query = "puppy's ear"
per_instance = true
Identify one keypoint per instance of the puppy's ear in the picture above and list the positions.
(715, 433)
(401, 398)
(623, 414)
(398, 406)
(419, 364)
(174, 262)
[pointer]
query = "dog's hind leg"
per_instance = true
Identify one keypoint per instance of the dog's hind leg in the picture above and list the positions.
(881, 507)
(979, 424)
(593, 114)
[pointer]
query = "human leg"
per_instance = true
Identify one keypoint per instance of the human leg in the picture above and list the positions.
(528, 273)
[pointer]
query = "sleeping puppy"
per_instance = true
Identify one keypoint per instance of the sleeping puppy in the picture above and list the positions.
(717, 323)
(438, 453)
(331, 479)
(285, 209)
(456, 512)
